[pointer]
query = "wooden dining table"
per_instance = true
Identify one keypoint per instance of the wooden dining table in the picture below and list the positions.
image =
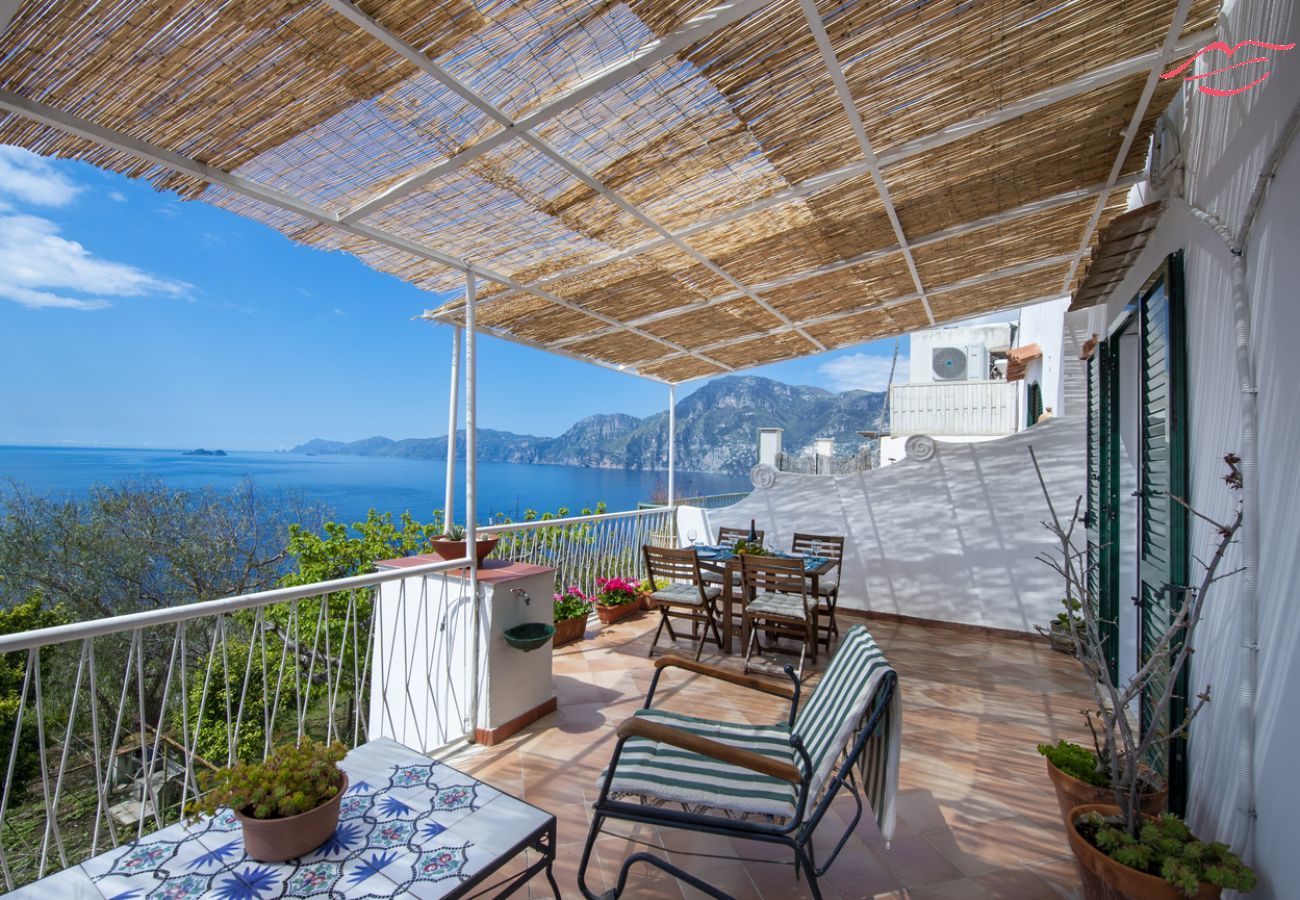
(727, 564)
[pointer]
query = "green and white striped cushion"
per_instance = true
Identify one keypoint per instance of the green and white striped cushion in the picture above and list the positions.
(665, 772)
(829, 718)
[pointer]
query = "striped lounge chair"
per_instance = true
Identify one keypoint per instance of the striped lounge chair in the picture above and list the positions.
(770, 783)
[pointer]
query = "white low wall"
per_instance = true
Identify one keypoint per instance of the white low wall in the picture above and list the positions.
(951, 538)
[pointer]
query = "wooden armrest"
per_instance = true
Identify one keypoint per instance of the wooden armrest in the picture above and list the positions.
(746, 759)
(750, 681)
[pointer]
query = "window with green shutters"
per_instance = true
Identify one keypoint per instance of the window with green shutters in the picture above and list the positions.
(1163, 521)
(1162, 552)
(1103, 496)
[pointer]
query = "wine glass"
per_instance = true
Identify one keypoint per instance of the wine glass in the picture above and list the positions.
(693, 536)
(815, 548)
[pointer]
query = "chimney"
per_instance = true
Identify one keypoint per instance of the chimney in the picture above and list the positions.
(769, 446)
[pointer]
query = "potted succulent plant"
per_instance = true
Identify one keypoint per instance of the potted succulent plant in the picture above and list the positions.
(617, 598)
(571, 610)
(1079, 779)
(1122, 852)
(1058, 632)
(288, 804)
(452, 545)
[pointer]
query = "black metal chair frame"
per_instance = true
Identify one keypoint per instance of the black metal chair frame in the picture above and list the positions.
(685, 565)
(796, 833)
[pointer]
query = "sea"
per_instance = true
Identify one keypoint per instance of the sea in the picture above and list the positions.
(348, 486)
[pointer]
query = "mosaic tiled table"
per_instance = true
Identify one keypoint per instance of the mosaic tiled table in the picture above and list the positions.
(408, 827)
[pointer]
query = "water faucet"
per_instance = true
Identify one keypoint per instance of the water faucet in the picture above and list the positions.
(522, 593)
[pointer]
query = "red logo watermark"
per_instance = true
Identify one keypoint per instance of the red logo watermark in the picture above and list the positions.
(1227, 51)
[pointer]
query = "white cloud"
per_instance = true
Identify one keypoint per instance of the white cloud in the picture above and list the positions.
(30, 178)
(117, 196)
(339, 312)
(861, 372)
(37, 266)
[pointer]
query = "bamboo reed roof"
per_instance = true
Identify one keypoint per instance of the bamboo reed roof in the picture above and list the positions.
(674, 188)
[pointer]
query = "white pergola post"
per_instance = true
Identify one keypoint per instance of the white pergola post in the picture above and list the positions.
(471, 495)
(672, 444)
(449, 501)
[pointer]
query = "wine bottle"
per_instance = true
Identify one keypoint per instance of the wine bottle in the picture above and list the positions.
(753, 533)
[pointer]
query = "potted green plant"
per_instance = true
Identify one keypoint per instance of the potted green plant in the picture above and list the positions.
(1120, 851)
(750, 548)
(452, 545)
(1058, 631)
(1163, 861)
(616, 599)
(571, 610)
(1079, 779)
(287, 804)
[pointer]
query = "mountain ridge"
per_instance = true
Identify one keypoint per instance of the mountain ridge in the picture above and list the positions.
(717, 429)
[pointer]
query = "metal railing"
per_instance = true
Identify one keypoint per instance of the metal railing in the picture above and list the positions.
(703, 501)
(117, 716)
(583, 549)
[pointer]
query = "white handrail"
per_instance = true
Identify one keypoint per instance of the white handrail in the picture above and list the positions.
(58, 634)
(570, 520)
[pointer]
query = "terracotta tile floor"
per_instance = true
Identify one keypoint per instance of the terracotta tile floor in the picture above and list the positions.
(976, 814)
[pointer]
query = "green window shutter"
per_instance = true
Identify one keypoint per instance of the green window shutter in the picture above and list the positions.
(1103, 497)
(1162, 538)
(1033, 404)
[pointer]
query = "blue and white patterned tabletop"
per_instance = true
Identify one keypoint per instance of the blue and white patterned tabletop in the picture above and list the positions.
(408, 827)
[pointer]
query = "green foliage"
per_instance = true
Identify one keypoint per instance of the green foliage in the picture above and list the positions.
(246, 733)
(25, 616)
(454, 532)
(292, 780)
(1063, 618)
(1165, 847)
(572, 604)
(1075, 761)
(750, 548)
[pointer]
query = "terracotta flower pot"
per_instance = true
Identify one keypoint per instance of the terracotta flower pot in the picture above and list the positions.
(648, 602)
(1106, 879)
(275, 840)
(456, 549)
(569, 630)
(1071, 792)
(611, 614)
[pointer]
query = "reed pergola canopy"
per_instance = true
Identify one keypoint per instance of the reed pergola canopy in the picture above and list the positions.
(672, 188)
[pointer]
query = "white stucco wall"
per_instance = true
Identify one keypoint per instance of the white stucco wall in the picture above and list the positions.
(951, 538)
(1227, 141)
(1041, 324)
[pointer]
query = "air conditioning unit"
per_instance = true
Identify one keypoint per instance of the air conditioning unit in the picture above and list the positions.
(949, 364)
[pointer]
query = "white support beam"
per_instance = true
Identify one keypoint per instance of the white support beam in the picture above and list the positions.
(894, 155)
(75, 125)
(640, 60)
(471, 494)
(999, 218)
(672, 445)
(431, 315)
(975, 280)
(411, 54)
(1135, 122)
(814, 18)
(449, 496)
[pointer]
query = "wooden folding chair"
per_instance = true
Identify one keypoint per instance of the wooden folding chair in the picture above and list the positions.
(778, 603)
(680, 593)
(828, 546)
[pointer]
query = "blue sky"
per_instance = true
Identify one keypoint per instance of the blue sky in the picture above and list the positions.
(130, 318)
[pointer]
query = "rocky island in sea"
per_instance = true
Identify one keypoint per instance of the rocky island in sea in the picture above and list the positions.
(202, 452)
